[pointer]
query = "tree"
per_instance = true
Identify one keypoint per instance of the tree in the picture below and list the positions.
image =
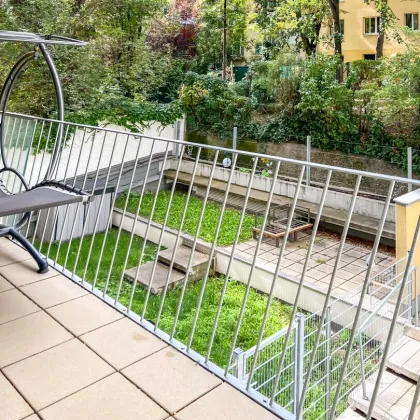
(387, 21)
(211, 30)
(286, 20)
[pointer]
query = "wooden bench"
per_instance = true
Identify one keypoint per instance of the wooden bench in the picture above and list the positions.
(277, 222)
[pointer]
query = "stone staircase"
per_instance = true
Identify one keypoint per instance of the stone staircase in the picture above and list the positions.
(179, 268)
(397, 387)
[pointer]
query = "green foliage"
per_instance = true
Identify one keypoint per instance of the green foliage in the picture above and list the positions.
(213, 102)
(230, 220)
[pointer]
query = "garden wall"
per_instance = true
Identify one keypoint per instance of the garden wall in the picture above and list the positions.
(335, 199)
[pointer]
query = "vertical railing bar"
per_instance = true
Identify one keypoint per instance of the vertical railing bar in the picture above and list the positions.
(56, 208)
(79, 205)
(276, 272)
(74, 183)
(416, 296)
(203, 286)
(254, 262)
(162, 232)
(413, 407)
(20, 157)
(24, 174)
(184, 213)
(7, 127)
(89, 206)
(114, 198)
(393, 322)
(32, 171)
(64, 180)
(39, 177)
(302, 278)
(213, 247)
(26, 163)
(146, 235)
(11, 139)
(362, 366)
(130, 185)
(328, 295)
(99, 210)
(14, 151)
(328, 363)
(362, 296)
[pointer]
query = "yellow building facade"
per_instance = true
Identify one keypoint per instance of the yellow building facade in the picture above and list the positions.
(360, 23)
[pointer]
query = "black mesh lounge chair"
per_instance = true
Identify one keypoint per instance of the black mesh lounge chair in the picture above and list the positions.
(48, 193)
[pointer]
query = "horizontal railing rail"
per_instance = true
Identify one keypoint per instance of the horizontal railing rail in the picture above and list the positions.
(210, 277)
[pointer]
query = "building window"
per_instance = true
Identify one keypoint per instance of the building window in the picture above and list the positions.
(412, 21)
(372, 25)
(341, 28)
(369, 57)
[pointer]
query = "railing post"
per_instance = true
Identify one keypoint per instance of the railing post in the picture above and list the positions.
(177, 133)
(362, 366)
(407, 212)
(416, 298)
(308, 159)
(238, 364)
(409, 167)
(299, 356)
(327, 363)
(235, 138)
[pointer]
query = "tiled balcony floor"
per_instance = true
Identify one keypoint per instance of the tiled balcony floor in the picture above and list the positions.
(65, 354)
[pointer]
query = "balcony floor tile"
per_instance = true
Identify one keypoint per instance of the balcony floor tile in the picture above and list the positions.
(53, 291)
(171, 379)
(24, 272)
(84, 314)
(12, 405)
(111, 398)
(11, 254)
(57, 373)
(122, 343)
(5, 285)
(29, 335)
(14, 305)
(222, 403)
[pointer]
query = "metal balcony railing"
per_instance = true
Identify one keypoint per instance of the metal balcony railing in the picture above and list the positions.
(155, 207)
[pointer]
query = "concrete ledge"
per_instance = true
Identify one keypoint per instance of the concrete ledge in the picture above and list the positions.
(408, 199)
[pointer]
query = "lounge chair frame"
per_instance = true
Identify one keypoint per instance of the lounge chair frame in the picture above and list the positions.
(69, 194)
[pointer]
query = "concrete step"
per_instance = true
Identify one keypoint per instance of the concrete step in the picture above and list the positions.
(405, 360)
(394, 400)
(350, 414)
(412, 332)
(181, 258)
(159, 278)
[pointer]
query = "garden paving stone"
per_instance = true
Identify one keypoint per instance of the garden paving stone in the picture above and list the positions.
(84, 314)
(122, 343)
(111, 398)
(53, 291)
(56, 373)
(316, 274)
(14, 305)
(171, 379)
(346, 275)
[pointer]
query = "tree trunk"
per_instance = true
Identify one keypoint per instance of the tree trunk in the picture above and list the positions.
(380, 45)
(224, 59)
(334, 6)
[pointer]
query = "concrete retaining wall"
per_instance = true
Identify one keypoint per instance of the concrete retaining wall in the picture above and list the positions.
(335, 199)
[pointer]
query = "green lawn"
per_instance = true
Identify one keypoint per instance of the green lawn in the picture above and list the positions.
(278, 316)
(228, 229)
